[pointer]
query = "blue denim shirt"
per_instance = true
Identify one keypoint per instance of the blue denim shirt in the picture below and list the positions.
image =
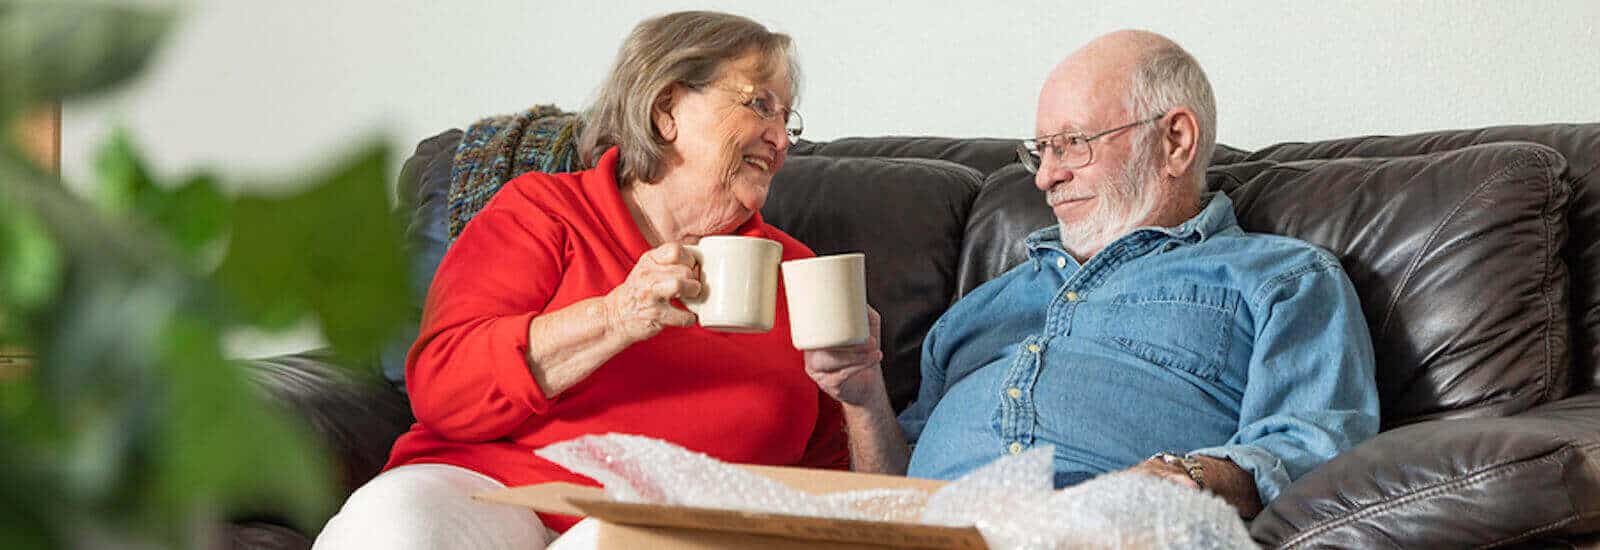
(1199, 338)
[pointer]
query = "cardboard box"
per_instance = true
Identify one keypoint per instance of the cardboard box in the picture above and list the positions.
(624, 525)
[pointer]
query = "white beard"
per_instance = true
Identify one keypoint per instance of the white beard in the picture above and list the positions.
(1120, 209)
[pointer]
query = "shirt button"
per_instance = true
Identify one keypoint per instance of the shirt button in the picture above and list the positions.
(1033, 348)
(1015, 448)
(1072, 296)
(1061, 263)
(1014, 393)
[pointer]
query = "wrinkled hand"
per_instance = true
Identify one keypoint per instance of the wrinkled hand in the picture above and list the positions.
(851, 374)
(641, 306)
(1158, 468)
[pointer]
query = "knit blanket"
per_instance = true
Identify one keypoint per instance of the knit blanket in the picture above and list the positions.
(543, 138)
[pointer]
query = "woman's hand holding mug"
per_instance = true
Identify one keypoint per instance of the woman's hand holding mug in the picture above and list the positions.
(642, 305)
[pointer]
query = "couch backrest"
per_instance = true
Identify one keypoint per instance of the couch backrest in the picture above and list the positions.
(935, 231)
(982, 154)
(423, 200)
(1578, 143)
(1456, 257)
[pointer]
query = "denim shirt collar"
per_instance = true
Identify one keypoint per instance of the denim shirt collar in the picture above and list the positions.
(1216, 217)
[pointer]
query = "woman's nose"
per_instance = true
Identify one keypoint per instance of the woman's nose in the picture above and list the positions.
(777, 133)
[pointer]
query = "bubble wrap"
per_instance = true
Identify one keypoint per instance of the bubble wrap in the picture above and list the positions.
(650, 471)
(1011, 501)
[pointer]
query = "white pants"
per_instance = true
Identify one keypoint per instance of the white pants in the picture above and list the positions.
(430, 506)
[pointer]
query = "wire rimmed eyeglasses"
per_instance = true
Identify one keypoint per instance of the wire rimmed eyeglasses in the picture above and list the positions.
(1070, 148)
(765, 104)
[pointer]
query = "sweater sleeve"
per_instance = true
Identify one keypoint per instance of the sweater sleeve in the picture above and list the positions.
(467, 374)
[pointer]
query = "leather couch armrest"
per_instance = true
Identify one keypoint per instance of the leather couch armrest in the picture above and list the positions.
(357, 418)
(1451, 484)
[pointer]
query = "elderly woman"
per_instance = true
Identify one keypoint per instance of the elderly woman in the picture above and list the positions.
(553, 315)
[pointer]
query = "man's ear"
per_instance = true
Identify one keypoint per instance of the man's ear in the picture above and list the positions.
(661, 114)
(1180, 142)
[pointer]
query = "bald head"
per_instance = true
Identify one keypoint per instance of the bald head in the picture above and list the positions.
(1110, 57)
(1149, 110)
(1101, 72)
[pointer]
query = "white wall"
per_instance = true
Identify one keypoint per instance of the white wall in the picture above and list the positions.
(268, 88)
(264, 87)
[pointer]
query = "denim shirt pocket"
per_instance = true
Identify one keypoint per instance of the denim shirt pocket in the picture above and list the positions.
(1181, 327)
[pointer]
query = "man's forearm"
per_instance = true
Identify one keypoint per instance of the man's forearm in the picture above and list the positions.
(1233, 484)
(876, 443)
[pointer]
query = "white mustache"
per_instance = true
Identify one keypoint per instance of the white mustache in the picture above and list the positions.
(1058, 194)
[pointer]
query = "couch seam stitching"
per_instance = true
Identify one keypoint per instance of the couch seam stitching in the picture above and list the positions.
(1549, 526)
(1548, 279)
(1416, 262)
(1572, 448)
(1530, 533)
(1493, 471)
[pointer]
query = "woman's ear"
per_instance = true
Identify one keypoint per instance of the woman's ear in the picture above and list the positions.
(661, 114)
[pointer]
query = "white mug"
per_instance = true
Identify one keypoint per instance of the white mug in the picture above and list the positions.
(740, 276)
(827, 298)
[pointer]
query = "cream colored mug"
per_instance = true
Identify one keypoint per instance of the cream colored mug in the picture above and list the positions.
(827, 297)
(740, 275)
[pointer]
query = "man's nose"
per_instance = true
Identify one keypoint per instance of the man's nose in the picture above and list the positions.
(1051, 174)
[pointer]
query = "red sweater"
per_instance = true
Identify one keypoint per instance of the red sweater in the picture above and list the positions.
(542, 243)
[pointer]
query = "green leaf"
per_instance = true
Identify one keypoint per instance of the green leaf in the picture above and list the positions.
(30, 266)
(333, 250)
(26, 520)
(122, 173)
(50, 50)
(29, 261)
(193, 214)
(222, 449)
(30, 499)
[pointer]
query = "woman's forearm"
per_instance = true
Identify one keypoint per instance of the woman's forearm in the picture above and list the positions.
(565, 346)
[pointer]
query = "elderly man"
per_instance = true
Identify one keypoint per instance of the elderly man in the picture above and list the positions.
(1146, 331)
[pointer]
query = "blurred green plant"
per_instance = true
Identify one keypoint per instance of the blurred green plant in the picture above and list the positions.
(134, 427)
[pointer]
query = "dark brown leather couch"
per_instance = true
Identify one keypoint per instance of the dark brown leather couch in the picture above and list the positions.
(1476, 254)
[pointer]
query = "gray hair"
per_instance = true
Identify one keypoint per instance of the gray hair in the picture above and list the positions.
(688, 48)
(1165, 78)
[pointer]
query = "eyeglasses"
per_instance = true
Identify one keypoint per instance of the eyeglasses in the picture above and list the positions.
(766, 105)
(1072, 149)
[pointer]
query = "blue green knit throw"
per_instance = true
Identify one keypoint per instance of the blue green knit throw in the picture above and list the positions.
(494, 150)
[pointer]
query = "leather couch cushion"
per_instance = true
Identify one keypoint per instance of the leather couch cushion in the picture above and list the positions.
(1457, 260)
(356, 417)
(1227, 154)
(258, 535)
(1451, 484)
(907, 215)
(1008, 208)
(423, 191)
(1579, 143)
(982, 154)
